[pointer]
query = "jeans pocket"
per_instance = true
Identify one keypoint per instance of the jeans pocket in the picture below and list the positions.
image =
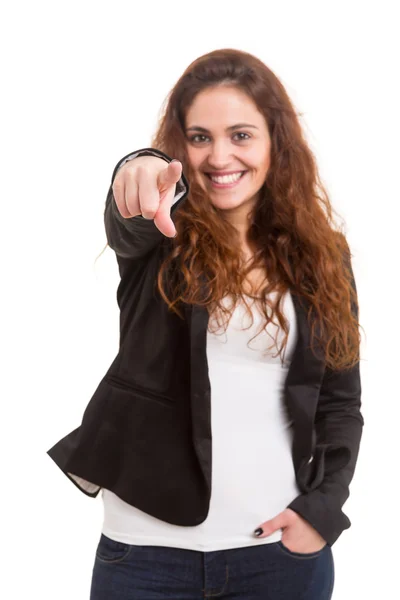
(301, 555)
(111, 551)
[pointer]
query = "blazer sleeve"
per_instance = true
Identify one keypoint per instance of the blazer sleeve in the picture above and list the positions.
(135, 237)
(338, 426)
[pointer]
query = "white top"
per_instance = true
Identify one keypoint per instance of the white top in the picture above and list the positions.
(253, 475)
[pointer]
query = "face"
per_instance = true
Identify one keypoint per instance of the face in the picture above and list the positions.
(228, 147)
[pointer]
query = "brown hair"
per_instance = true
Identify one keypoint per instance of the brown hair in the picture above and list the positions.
(291, 227)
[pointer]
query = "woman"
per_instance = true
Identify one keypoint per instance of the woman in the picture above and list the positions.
(225, 434)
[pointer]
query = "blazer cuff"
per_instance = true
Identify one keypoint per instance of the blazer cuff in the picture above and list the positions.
(323, 513)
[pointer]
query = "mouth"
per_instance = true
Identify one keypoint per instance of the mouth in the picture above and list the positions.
(226, 181)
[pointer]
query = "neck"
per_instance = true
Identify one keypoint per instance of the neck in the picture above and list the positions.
(240, 218)
(243, 241)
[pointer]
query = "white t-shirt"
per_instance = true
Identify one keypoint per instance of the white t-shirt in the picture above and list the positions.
(253, 475)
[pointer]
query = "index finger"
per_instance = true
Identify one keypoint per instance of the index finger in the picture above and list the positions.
(163, 220)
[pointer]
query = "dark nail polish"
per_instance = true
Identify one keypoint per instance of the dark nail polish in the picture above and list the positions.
(258, 531)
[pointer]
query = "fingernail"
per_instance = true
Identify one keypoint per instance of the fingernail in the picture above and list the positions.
(258, 531)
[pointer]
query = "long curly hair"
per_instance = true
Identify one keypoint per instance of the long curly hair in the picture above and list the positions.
(291, 227)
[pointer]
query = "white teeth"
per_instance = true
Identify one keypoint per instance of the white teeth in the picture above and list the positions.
(226, 178)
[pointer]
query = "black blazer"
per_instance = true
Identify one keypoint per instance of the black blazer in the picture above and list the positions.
(146, 431)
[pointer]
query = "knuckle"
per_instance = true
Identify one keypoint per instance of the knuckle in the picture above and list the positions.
(148, 210)
(132, 204)
(148, 214)
(149, 205)
(117, 186)
(142, 170)
(131, 172)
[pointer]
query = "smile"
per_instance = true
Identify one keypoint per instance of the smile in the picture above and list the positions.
(226, 181)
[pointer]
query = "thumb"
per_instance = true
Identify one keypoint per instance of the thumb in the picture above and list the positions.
(170, 175)
(268, 527)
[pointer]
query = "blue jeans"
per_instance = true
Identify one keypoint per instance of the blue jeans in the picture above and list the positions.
(268, 572)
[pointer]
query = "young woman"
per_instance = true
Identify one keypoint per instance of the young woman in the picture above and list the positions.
(225, 433)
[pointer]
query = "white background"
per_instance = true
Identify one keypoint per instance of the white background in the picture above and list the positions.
(82, 85)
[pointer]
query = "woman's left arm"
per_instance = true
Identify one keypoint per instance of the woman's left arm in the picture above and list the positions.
(338, 425)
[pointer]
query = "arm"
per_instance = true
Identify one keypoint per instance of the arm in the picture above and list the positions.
(135, 237)
(338, 427)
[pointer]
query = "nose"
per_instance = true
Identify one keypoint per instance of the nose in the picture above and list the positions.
(220, 155)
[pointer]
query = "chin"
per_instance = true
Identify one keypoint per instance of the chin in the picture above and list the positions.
(226, 205)
(231, 204)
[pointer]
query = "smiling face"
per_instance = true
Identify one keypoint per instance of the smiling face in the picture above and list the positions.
(228, 147)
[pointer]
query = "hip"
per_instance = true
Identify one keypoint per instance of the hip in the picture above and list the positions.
(253, 572)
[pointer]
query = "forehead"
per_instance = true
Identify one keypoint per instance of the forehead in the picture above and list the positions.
(221, 107)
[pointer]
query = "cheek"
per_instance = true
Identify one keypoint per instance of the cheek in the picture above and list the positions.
(262, 169)
(259, 160)
(194, 158)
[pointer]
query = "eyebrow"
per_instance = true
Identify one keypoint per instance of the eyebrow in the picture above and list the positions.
(231, 128)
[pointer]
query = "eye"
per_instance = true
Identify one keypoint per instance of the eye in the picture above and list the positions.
(243, 133)
(199, 135)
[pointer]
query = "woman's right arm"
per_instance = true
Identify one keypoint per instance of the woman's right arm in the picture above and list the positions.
(131, 188)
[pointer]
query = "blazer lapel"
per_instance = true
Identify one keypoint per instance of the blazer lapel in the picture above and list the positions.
(200, 392)
(302, 385)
